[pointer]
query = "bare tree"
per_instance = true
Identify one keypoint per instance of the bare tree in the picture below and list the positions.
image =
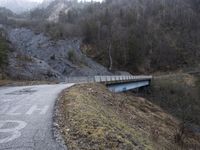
(110, 56)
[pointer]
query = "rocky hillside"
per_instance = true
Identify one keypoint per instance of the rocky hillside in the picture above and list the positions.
(37, 57)
(51, 10)
(56, 7)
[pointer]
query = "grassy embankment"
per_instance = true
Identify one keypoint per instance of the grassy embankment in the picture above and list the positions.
(91, 117)
(178, 94)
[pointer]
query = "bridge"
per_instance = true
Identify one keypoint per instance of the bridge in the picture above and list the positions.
(114, 83)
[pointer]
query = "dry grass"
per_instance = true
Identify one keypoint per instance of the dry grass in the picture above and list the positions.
(91, 117)
(176, 78)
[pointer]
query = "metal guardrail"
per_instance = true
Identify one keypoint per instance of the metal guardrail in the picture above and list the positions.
(105, 79)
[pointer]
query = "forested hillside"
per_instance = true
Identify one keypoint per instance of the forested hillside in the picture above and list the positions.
(136, 35)
(139, 36)
(144, 35)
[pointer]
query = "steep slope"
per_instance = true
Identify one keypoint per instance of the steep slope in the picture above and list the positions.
(91, 117)
(51, 9)
(37, 57)
(140, 35)
(179, 95)
(56, 7)
(143, 36)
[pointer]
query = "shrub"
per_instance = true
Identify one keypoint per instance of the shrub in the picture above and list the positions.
(177, 96)
(24, 58)
(3, 51)
(53, 57)
(72, 56)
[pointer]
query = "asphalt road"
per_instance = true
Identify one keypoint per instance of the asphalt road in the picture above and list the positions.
(26, 117)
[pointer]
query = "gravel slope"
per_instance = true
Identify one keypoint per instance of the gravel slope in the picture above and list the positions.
(36, 56)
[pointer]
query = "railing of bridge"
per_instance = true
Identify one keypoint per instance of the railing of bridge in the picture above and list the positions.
(106, 79)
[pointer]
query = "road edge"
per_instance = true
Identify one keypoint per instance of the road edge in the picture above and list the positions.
(55, 125)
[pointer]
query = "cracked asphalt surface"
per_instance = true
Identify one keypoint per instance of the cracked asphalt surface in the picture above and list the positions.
(26, 117)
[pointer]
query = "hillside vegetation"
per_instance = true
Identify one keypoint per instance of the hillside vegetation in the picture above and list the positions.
(179, 95)
(134, 35)
(143, 35)
(91, 117)
(138, 36)
(4, 48)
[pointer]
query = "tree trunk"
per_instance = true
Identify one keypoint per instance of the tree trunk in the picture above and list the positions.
(110, 57)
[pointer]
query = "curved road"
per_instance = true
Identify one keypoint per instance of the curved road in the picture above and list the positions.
(26, 117)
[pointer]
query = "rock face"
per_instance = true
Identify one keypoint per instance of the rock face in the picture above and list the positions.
(37, 57)
(53, 17)
(29, 68)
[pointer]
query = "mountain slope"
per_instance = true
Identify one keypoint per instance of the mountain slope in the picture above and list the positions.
(142, 36)
(55, 8)
(37, 57)
(145, 35)
(18, 6)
